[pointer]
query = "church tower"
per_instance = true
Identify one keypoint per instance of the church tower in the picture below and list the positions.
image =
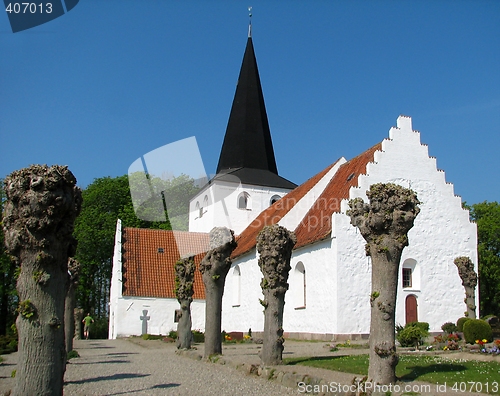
(247, 180)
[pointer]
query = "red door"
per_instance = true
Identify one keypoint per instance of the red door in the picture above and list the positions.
(411, 309)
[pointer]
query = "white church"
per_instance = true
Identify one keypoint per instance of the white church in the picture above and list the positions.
(329, 282)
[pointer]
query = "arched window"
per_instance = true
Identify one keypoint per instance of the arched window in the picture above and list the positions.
(236, 281)
(198, 210)
(244, 201)
(410, 275)
(203, 209)
(299, 293)
(274, 199)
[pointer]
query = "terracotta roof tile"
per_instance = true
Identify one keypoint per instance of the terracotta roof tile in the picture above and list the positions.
(248, 238)
(149, 257)
(316, 224)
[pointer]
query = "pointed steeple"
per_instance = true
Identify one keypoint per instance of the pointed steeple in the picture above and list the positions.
(247, 151)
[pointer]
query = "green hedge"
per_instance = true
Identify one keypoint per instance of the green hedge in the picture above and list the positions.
(477, 329)
(412, 334)
(460, 323)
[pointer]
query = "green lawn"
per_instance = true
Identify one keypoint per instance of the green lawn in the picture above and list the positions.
(430, 368)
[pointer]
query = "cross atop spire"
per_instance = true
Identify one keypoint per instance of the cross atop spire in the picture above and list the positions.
(250, 22)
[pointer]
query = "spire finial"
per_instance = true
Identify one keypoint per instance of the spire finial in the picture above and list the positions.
(250, 22)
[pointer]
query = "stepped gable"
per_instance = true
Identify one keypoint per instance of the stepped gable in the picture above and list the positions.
(317, 223)
(149, 257)
(272, 215)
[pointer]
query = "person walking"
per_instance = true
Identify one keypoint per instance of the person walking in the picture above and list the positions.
(87, 320)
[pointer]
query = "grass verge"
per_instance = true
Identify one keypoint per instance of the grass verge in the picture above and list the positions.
(433, 369)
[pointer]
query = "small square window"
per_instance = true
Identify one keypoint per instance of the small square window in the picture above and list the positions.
(160, 250)
(406, 277)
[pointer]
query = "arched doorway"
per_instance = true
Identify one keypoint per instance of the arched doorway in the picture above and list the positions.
(411, 309)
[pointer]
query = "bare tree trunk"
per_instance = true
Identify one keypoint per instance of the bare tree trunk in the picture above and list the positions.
(274, 244)
(469, 282)
(70, 302)
(184, 279)
(78, 316)
(42, 204)
(384, 224)
(214, 268)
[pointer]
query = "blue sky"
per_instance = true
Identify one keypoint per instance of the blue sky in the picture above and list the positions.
(114, 79)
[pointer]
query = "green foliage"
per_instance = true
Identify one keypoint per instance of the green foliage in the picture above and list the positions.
(99, 329)
(433, 369)
(449, 327)
(151, 337)
(26, 309)
(8, 343)
(413, 334)
(73, 354)
(8, 293)
(198, 336)
(105, 201)
(460, 324)
(172, 334)
(477, 329)
(487, 217)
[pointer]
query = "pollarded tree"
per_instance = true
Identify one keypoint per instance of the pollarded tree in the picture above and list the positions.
(184, 280)
(42, 204)
(469, 281)
(384, 224)
(78, 314)
(70, 303)
(214, 268)
(274, 244)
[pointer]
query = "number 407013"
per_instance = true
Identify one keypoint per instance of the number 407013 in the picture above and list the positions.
(29, 8)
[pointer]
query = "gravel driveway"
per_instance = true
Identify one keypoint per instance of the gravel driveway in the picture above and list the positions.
(121, 367)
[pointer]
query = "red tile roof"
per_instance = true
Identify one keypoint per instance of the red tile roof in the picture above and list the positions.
(316, 224)
(248, 238)
(147, 272)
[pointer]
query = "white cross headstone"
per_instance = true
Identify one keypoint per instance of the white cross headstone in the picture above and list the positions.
(145, 319)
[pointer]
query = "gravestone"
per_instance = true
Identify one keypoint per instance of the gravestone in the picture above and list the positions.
(145, 319)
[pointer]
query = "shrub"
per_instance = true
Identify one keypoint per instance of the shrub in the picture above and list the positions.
(99, 329)
(8, 344)
(412, 334)
(460, 324)
(198, 336)
(449, 327)
(492, 320)
(477, 329)
(172, 334)
(151, 337)
(73, 354)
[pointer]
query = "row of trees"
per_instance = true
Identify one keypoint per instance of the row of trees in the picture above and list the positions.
(107, 199)
(104, 201)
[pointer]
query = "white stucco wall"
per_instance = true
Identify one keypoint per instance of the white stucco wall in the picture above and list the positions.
(125, 311)
(338, 273)
(319, 314)
(246, 312)
(442, 230)
(129, 310)
(222, 209)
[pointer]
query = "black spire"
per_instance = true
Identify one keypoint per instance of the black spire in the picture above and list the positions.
(247, 151)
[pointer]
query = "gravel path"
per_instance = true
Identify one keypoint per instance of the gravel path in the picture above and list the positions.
(138, 367)
(121, 367)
